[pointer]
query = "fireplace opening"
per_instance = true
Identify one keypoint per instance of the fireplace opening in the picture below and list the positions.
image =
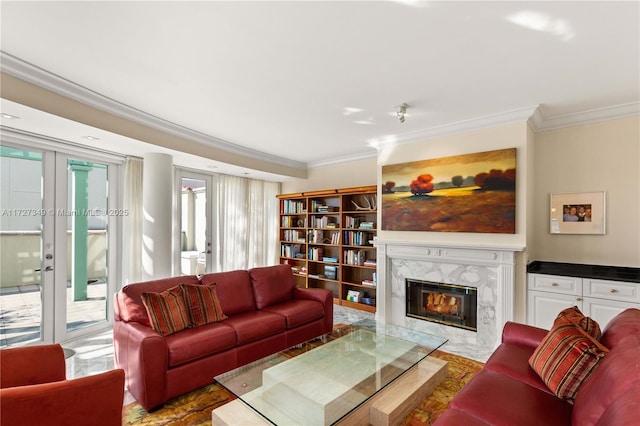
(448, 304)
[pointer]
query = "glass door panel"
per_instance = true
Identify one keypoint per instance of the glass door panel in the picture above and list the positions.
(22, 231)
(195, 242)
(86, 217)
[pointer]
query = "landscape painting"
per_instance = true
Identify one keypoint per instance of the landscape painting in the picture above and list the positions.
(462, 193)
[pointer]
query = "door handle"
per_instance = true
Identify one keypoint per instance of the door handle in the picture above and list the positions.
(46, 269)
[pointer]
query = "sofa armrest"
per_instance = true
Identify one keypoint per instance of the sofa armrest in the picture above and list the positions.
(144, 356)
(93, 400)
(522, 334)
(31, 365)
(319, 295)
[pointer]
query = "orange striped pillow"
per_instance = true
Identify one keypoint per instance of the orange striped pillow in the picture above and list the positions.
(167, 310)
(565, 358)
(203, 304)
(576, 316)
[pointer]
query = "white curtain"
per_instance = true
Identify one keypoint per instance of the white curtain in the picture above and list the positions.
(245, 223)
(132, 226)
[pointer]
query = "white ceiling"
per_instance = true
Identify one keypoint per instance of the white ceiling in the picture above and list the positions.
(311, 82)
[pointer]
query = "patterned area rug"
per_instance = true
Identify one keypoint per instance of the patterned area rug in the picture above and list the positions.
(195, 408)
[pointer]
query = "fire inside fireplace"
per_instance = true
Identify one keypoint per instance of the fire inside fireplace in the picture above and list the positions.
(449, 304)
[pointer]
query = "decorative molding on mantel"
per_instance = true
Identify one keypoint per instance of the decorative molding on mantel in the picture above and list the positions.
(454, 252)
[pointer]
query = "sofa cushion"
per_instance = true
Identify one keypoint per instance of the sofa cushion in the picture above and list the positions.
(202, 304)
(621, 326)
(513, 360)
(200, 342)
(500, 400)
(129, 299)
(167, 310)
(234, 291)
(565, 358)
(255, 325)
(297, 312)
(272, 284)
(574, 315)
(617, 375)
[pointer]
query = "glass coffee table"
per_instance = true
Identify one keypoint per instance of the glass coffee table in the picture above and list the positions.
(361, 373)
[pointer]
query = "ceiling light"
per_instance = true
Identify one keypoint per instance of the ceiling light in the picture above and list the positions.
(401, 110)
(91, 138)
(9, 116)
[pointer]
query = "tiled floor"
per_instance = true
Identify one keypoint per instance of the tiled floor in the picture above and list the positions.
(20, 311)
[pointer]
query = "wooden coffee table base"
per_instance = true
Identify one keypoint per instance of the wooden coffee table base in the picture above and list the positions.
(387, 407)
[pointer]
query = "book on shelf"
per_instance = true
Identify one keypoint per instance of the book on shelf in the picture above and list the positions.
(370, 262)
(367, 225)
(330, 259)
(330, 272)
(368, 282)
(292, 207)
(291, 250)
(315, 253)
(316, 236)
(357, 238)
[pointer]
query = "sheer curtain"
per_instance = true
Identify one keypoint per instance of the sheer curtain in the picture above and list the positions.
(245, 223)
(132, 223)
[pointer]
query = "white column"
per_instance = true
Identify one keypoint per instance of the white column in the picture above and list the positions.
(157, 211)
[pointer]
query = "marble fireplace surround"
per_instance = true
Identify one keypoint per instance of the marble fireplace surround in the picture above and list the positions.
(491, 269)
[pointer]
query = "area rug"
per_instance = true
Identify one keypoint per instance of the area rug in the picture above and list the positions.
(194, 408)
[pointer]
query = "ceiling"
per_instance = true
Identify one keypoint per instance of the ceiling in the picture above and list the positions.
(309, 83)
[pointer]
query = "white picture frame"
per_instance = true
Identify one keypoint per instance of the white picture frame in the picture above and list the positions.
(577, 213)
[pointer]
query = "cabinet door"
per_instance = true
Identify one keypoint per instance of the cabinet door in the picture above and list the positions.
(603, 311)
(543, 307)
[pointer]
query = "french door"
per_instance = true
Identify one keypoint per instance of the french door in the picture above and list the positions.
(195, 239)
(58, 237)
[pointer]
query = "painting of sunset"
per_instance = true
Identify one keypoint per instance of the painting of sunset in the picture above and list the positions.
(463, 193)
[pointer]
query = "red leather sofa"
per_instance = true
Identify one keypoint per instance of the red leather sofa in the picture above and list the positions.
(35, 391)
(508, 392)
(266, 313)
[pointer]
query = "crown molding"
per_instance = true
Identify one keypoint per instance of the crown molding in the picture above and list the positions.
(539, 122)
(32, 74)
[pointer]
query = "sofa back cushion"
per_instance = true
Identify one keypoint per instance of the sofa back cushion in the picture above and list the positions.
(622, 325)
(129, 298)
(234, 291)
(615, 377)
(272, 284)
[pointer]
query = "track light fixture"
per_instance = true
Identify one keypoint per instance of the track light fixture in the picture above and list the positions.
(401, 111)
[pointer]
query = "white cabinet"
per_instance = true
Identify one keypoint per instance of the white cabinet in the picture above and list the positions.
(601, 300)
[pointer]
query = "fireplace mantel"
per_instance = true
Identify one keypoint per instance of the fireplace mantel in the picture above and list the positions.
(474, 253)
(489, 267)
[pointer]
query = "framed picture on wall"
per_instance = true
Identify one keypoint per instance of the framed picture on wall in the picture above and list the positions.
(577, 213)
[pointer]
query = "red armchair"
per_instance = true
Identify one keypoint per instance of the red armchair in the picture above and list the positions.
(34, 391)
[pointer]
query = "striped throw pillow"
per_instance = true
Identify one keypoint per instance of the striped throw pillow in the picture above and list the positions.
(167, 310)
(203, 304)
(576, 316)
(565, 358)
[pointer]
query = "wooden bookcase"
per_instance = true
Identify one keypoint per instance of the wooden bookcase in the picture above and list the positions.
(326, 237)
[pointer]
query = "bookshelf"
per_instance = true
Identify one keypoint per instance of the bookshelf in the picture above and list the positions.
(326, 238)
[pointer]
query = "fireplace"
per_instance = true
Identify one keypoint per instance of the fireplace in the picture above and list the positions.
(449, 304)
(488, 269)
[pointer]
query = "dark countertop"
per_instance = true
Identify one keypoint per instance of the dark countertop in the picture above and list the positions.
(613, 273)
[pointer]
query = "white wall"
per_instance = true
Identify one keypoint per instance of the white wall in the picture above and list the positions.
(593, 157)
(344, 175)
